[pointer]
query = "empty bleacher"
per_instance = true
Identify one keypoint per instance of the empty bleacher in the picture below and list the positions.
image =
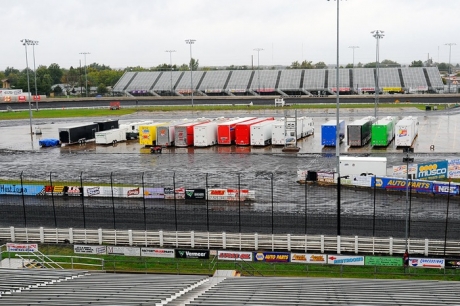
(279, 81)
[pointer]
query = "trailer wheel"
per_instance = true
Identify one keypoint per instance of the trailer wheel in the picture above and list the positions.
(114, 142)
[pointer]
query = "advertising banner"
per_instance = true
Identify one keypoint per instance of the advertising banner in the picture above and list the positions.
(127, 251)
(132, 192)
(103, 191)
(238, 256)
(345, 260)
(452, 263)
(22, 247)
(432, 170)
(89, 249)
(400, 184)
(200, 254)
(272, 256)
(383, 261)
(443, 188)
(154, 193)
(73, 191)
(426, 262)
(325, 177)
(308, 258)
(154, 252)
(179, 193)
(453, 168)
(15, 189)
(229, 194)
(195, 194)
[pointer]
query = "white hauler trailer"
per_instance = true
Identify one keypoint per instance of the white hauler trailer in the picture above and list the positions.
(307, 126)
(363, 166)
(405, 131)
(278, 133)
(132, 128)
(111, 136)
(261, 133)
(205, 134)
(166, 133)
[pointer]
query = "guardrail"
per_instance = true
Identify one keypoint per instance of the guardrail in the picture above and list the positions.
(234, 241)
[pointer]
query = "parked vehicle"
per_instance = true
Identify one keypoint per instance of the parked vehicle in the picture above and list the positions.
(132, 129)
(363, 166)
(383, 131)
(107, 124)
(166, 133)
(110, 136)
(226, 130)
(78, 133)
(359, 131)
(261, 133)
(184, 133)
(243, 130)
(328, 132)
(148, 133)
(405, 131)
(278, 133)
(205, 134)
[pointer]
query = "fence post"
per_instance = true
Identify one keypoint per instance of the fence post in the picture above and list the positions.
(427, 243)
(356, 245)
(239, 203)
(23, 200)
(71, 235)
(113, 200)
(224, 240)
(52, 200)
(192, 239)
(391, 246)
(306, 201)
(256, 241)
(447, 219)
(207, 204)
(42, 234)
(160, 234)
(338, 244)
(82, 199)
(289, 242)
(373, 218)
(99, 234)
(273, 207)
(130, 237)
(175, 202)
(143, 201)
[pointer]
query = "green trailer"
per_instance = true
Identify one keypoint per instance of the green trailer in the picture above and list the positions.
(383, 131)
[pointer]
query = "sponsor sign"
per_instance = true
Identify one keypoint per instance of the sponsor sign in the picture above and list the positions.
(272, 256)
(179, 193)
(400, 184)
(445, 188)
(302, 175)
(229, 194)
(154, 252)
(22, 247)
(325, 177)
(308, 258)
(200, 254)
(432, 170)
(132, 192)
(127, 251)
(427, 262)
(89, 249)
(453, 168)
(53, 190)
(10, 92)
(154, 193)
(345, 260)
(195, 194)
(238, 256)
(13, 189)
(341, 89)
(73, 191)
(452, 263)
(394, 89)
(383, 261)
(103, 191)
(402, 170)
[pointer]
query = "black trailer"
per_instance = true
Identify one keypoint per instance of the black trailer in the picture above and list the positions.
(359, 132)
(78, 133)
(107, 125)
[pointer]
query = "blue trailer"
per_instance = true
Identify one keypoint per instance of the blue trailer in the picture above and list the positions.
(328, 132)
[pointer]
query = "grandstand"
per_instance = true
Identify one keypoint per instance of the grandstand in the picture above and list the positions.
(306, 82)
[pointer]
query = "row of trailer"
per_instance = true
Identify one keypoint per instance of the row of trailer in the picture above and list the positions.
(379, 133)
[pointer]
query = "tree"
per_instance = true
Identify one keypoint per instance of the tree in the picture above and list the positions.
(184, 67)
(102, 89)
(320, 65)
(389, 63)
(349, 66)
(194, 64)
(306, 65)
(295, 65)
(416, 64)
(55, 72)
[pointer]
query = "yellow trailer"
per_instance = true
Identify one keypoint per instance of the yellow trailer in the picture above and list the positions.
(148, 133)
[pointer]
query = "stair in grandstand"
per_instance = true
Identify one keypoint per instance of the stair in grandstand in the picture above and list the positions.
(38, 260)
(201, 80)
(302, 77)
(129, 82)
(278, 77)
(155, 82)
(250, 81)
(178, 80)
(326, 77)
(401, 79)
(351, 78)
(427, 78)
(228, 80)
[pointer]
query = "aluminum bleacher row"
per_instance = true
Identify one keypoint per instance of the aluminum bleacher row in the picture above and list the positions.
(278, 82)
(61, 287)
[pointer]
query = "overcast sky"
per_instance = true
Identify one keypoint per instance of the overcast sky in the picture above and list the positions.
(121, 33)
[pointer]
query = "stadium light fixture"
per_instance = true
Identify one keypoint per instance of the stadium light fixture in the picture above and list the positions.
(86, 74)
(378, 34)
(26, 42)
(170, 64)
(258, 64)
(449, 71)
(191, 42)
(33, 43)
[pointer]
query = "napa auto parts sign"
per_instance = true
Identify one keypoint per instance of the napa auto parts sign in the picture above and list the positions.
(345, 260)
(427, 262)
(238, 256)
(272, 256)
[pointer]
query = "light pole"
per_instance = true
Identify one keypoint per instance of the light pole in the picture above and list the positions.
(353, 47)
(378, 34)
(449, 71)
(33, 43)
(191, 42)
(258, 64)
(407, 160)
(26, 42)
(170, 64)
(86, 75)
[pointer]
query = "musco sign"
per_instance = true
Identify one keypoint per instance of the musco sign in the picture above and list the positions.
(432, 171)
(200, 254)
